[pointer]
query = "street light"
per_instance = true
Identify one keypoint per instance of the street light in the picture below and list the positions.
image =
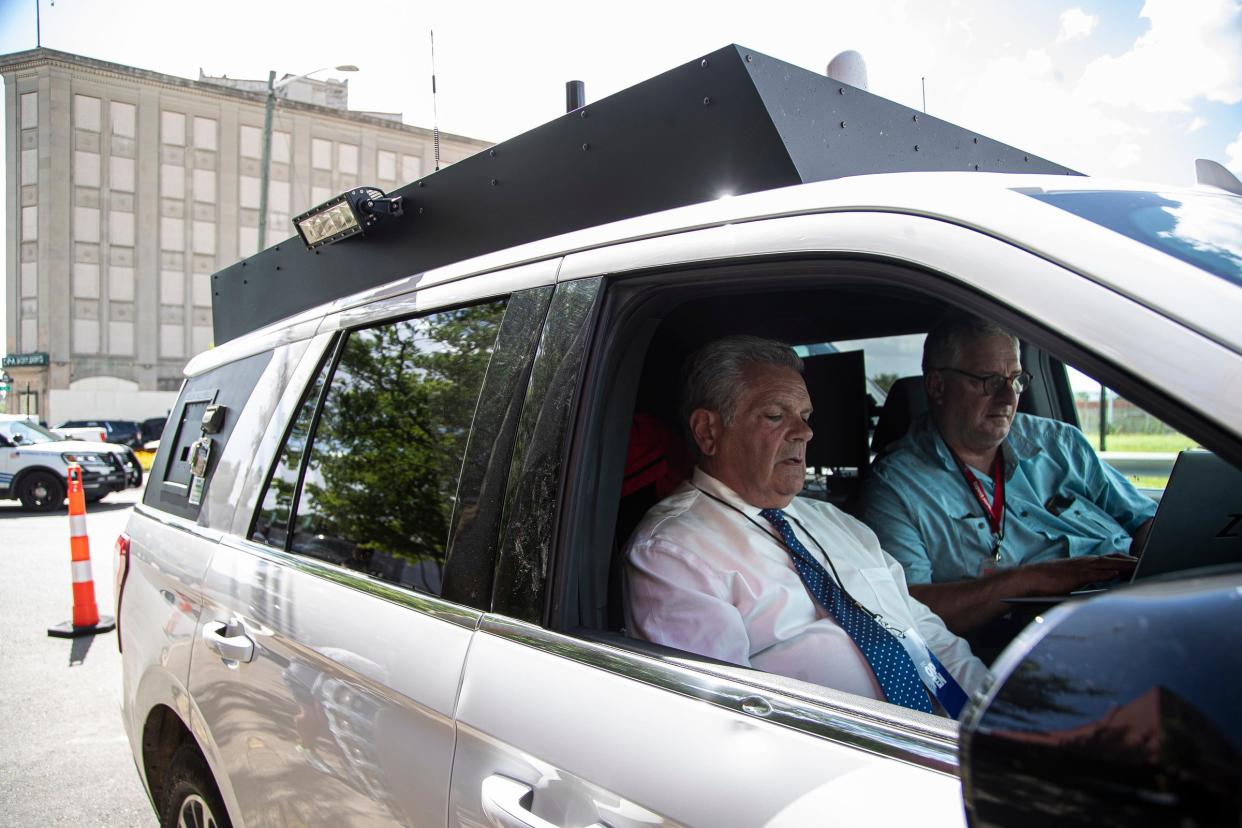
(266, 163)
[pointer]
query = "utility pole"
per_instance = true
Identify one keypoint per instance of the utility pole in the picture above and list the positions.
(265, 165)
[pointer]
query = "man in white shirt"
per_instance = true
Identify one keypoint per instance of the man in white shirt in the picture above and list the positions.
(714, 568)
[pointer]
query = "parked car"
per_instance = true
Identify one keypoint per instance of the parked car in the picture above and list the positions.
(34, 464)
(376, 574)
(152, 430)
(125, 432)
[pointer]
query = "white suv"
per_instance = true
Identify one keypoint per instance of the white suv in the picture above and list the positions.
(34, 462)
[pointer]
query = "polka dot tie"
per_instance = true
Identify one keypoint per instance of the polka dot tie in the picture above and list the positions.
(895, 672)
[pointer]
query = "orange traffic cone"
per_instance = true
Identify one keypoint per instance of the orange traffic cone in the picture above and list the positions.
(86, 618)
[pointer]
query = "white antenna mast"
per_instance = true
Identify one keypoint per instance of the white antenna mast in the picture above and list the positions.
(435, 115)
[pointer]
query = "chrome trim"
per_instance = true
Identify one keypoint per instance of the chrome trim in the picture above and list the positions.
(179, 523)
(437, 608)
(858, 724)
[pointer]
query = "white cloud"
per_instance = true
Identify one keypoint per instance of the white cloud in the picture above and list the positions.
(1190, 51)
(1126, 154)
(1233, 155)
(1076, 23)
(1195, 125)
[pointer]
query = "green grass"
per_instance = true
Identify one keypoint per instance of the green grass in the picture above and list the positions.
(1143, 442)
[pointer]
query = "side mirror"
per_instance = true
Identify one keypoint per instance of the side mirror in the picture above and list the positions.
(1117, 711)
(5, 442)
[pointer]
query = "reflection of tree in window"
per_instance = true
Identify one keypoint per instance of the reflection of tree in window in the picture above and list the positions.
(384, 464)
(272, 521)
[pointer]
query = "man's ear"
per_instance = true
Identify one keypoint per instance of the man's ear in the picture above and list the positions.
(705, 428)
(933, 384)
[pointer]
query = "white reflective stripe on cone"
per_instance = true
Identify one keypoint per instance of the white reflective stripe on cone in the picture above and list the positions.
(77, 526)
(81, 571)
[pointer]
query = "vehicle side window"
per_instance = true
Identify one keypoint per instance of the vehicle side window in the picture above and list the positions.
(385, 458)
(271, 524)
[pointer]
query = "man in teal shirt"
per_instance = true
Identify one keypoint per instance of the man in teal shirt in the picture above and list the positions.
(980, 503)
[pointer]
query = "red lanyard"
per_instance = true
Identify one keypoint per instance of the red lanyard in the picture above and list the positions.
(994, 511)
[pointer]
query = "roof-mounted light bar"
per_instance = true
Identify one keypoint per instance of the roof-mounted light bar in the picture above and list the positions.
(346, 215)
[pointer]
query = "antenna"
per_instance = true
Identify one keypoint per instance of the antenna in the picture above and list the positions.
(924, 81)
(435, 115)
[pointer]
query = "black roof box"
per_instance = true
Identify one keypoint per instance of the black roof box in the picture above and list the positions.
(734, 121)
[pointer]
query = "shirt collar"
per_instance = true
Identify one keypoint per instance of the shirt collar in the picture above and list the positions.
(1016, 448)
(714, 487)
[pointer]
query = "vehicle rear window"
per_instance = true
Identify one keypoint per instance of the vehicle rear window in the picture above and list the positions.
(1202, 229)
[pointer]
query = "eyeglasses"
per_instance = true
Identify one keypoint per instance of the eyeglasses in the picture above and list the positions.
(991, 384)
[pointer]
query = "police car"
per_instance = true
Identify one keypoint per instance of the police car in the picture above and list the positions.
(34, 462)
(376, 576)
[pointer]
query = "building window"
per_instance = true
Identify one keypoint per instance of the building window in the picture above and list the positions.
(30, 166)
(411, 168)
(30, 110)
(172, 233)
(321, 154)
(122, 119)
(319, 195)
(172, 129)
(281, 143)
(120, 283)
(86, 336)
(121, 338)
(86, 168)
(30, 223)
(121, 228)
(200, 339)
(205, 186)
(172, 341)
(251, 142)
(121, 173)
(200, 289)
(347, 158)
(205, 238)
(247, 241)
(30, 279)
(204, 133)
(86, 112)
(249, 192)
(30, 335)
(386, 165)
(172, 287)
(172, 181)
(278, 196)
(86, 224)
(85, 280)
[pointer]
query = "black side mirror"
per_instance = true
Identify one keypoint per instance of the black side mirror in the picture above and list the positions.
(1117, 711)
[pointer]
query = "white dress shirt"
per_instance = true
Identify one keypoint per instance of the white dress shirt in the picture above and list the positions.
(715, 579)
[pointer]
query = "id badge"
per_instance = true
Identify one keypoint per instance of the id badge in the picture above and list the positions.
(919, 654)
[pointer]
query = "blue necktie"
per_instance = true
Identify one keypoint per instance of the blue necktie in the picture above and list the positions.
(898, 678)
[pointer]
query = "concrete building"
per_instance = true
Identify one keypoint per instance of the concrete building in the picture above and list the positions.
(127, 189)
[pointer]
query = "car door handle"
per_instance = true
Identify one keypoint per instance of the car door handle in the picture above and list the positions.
(502, 804)
(230, 647)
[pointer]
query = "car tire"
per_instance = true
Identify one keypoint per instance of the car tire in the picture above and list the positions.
(192, 801)
(133, 471)
(41, 491)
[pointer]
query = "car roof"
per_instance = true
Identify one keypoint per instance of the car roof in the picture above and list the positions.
(998, 204)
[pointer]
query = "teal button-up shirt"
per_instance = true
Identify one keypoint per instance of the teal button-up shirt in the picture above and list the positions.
(927, 517)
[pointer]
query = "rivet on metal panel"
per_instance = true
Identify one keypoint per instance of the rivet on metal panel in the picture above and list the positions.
(707, 102)
(586, 147)
(245, 281)
(916, 117)
(703, 63)
(278, 267)
(494, 182)
(916, 147)
(1026, 158)
(582, 113)
(748, 58)
(840, 90)
(492, 153)
(843, 125)
(976, 140)
(420, 211)
(976, 166)
(422, 183)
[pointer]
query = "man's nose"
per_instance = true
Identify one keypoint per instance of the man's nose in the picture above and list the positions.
(802, 431)
(1006, 394)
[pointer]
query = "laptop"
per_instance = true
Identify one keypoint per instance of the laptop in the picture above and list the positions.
(1198, 523)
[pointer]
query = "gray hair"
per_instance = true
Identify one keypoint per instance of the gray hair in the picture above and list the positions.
(714, 375)
(945, 343)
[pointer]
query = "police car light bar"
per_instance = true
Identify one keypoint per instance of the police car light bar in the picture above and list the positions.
(346, 215)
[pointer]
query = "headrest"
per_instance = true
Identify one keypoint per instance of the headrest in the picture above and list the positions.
(906, 402)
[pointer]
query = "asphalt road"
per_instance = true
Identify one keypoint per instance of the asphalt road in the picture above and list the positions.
(64, 756)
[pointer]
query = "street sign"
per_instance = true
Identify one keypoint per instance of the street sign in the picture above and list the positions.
(35, 359)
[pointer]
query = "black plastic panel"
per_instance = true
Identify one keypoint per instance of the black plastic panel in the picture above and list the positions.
(734, 121)
(539, 454)
(1122, 711)
(229, 385)
(474, 545)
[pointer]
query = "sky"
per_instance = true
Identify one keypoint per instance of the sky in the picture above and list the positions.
(1113, 88)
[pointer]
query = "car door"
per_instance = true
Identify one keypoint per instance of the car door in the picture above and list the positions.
(561, 726)
(337, 614)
